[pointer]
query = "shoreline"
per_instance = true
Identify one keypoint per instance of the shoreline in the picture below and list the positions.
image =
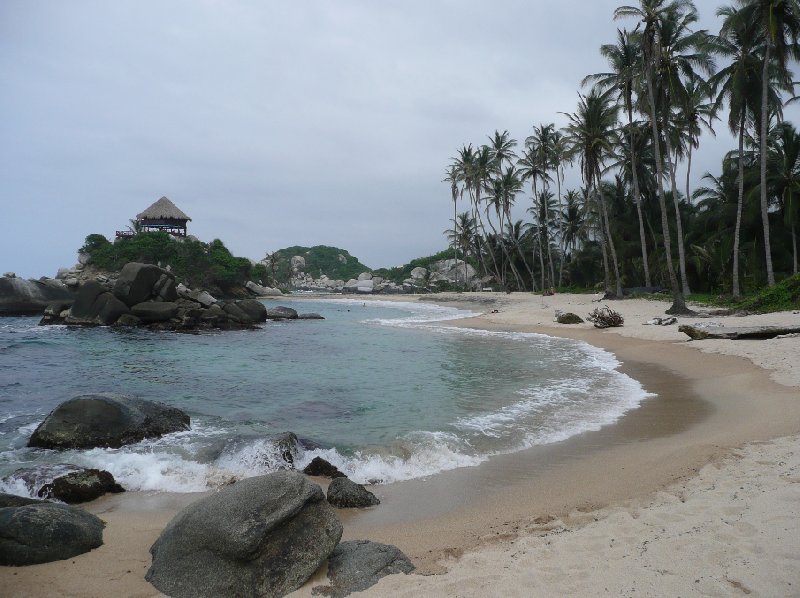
(704, 410)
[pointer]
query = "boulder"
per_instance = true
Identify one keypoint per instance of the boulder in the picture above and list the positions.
(236, 312)
(365, 286)
(20, 297)
(263, 536)
(356, 565)
(168, 290)
(80, 486)
(44, 532)
(153, 311)
(569, 318)
(255, 310)
(95, 305)
(12, 500)
(419, 273)
(262, 291)
(106, 420)
(310, 316)
(33, 478)
(136, 281)
(321, 467)
(365, 276)
(345, 493)
(288, 445)
(128, 320)
(298, 263)
(281, 313)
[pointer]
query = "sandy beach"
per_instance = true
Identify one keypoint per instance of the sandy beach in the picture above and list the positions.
(694, 493)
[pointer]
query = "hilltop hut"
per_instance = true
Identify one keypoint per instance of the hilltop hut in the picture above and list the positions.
(164, 216)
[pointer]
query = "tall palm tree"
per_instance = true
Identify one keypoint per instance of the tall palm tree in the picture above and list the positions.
(696, 113)
(737, 85)
(590, 131)
(779, 23)
(623, 58)
(455, 193)
(651, 12)
(784, 178)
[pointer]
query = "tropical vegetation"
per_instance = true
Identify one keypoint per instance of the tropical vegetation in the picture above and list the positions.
(632, 222)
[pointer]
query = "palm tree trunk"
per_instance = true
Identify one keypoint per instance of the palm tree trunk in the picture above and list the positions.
(676, 203)
(764, 126)
(603, 241)
(560, 230)
(637, 199)
(614, 262)
(736, 290)
(455, 236)
(794, 251)
(678, 302)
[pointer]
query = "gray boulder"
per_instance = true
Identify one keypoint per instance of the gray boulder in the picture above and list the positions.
(288, 446)
(155, 311)
(106, 420)
(356, 565)
(95, 305)
(12, 500)
(44, 532)
(136, 281)
(310, 316)
(262, 291)
(346, 494)
(20, 297)
(263, 536)
(80, 486)
(281, 313)
(256, 311)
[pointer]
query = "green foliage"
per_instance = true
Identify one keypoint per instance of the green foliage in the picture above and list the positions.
(320, 259)
(197, 264)
(783, 296)
(399, 273)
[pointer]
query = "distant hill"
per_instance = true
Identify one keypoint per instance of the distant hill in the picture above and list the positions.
(399, 273)
(334, 262)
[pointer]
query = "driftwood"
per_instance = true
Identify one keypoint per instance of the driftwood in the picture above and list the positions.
(752, 332)
(605, 317)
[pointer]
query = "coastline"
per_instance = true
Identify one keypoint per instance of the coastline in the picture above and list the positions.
(467, 520)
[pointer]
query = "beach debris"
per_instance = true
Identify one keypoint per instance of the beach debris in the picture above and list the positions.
(106, 420)
(356, 565)
(605, 317)
(568, 318)
(262, 536)
(738, 333)
(43, 531)
(80, 486)
(322, 468)
(661, 321)
(345, 493)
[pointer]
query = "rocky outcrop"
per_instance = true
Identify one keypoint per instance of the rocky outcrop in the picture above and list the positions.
(698, 332)
(45, 532)
(106, 420)
(152, 311)
(80, 486)
(262, 291)
(356, 565)
(281, 313)
(21, 297)
(94, 305)
(310, 316)
(346, 494)
(263, 536)
(322, 468)
(137, 282)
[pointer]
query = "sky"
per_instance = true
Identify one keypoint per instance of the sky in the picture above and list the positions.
(276, 123)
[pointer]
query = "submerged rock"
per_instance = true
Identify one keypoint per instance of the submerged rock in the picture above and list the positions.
(356, 565)
(106, 420)
(263, 536)
(321, 467)
(345, 493)
(310, 316)
(80, 486)
(281, 313)
(44, 532)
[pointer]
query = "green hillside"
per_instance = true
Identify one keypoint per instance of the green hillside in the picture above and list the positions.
(321, 259)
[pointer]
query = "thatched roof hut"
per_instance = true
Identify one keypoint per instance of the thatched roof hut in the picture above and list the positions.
(165, 216)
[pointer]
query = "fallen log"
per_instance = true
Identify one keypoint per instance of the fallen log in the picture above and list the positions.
(745, 332)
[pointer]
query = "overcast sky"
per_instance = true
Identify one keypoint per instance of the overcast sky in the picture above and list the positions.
(274, 123)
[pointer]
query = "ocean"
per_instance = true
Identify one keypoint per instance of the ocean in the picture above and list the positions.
(386, 391)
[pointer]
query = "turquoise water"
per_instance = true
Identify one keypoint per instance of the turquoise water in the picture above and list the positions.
(386, 391)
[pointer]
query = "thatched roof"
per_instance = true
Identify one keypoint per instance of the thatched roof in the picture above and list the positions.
(163, 209)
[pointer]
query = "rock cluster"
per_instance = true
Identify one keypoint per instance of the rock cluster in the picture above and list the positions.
(63, 482)
(146, 295)
(21, 297)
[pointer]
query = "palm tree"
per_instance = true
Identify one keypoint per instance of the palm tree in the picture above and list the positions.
(737, 84)
(784, 177)
(453, 178)
(623, 58)
(590, 132)
(696, 113)
(651, 12)
(463, 235)
(779, 24)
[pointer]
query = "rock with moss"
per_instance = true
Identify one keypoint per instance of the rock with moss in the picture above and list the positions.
(346, 494)
(80, 486)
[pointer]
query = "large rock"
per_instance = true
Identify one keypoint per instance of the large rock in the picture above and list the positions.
(80, 486)
(262, 291)
(255, 310)
(95, 305)
(310, 316)
(136, 281)
(106, 420)
(365, 286)
(281, 313)
(365, 276)
(12, 500)
(204, 298)
(20, 297)
(263, 536)
(322, 468)
(346, 494)
(298, 263)
(155, 311)
(356, 565)
(44, 532)
(419, 273)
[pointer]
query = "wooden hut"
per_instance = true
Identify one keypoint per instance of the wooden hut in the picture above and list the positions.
(164, 216)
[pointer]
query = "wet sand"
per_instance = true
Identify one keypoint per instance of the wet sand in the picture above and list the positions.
(707, 404)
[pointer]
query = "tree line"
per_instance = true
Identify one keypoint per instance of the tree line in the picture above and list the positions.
(634, 125)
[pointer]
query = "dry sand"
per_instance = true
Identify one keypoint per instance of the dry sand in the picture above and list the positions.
(681, 497)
